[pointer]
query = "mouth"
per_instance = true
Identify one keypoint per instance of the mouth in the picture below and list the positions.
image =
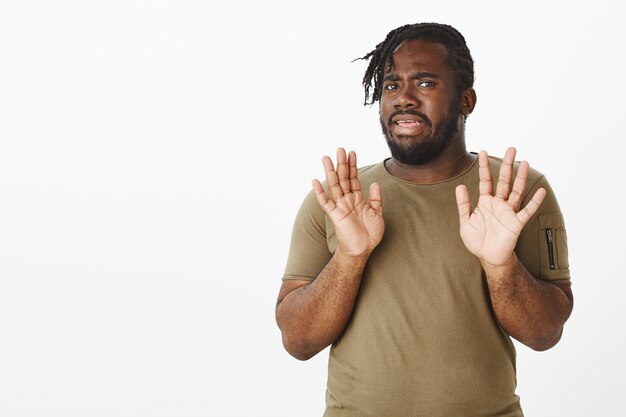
(409, 125)
(406, 122)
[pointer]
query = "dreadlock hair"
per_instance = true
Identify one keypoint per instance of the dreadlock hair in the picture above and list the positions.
(459, 55)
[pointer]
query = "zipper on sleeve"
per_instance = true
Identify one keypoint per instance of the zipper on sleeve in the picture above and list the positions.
(550, 247)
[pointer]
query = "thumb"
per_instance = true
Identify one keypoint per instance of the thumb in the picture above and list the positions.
(376, 197)
(463, 203)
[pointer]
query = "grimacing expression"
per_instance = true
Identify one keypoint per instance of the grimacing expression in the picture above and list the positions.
(419, 105)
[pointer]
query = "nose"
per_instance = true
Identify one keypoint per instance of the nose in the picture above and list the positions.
(406, 99)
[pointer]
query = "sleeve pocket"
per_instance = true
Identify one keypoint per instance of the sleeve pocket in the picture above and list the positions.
(561, 245)
(553, 246)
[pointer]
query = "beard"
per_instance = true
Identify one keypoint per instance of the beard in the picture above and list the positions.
(418, 153)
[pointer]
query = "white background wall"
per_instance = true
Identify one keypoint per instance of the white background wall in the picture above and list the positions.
(153, 155)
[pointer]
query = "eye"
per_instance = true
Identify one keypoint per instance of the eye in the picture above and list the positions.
(391, 87)
(426, 84)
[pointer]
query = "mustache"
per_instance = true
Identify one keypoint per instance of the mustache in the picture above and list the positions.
(422, 116)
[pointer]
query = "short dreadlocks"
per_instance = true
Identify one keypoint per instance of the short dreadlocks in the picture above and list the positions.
(459, 55)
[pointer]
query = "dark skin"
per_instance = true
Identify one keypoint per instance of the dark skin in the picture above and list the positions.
(313, 314)
(421, 79)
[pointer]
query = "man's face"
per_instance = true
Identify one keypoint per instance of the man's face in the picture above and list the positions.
(419, 105)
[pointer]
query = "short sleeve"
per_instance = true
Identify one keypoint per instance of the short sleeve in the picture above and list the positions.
(308, 252)
(542, 246)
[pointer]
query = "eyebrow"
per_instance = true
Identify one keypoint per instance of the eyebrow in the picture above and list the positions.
(416, 76)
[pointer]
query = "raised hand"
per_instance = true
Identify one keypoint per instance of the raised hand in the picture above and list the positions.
(492, 230)
(359, 225)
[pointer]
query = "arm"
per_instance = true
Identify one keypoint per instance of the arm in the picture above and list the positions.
(529, 309)
(312, 315)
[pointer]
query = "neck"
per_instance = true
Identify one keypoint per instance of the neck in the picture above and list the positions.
(451, 162)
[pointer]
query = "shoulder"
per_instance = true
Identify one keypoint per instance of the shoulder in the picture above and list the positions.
(310, 213)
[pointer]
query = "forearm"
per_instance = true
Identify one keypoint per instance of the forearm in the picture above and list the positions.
(313, 316)
(529, 309)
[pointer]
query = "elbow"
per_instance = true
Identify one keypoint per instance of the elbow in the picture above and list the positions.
(541, 347)
(297, 344)
(299, 349)
(295, 339)
(545, 343)
(300, 355)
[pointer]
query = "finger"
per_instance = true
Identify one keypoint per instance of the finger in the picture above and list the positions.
(506, 174)
(485, 185)
(376, 198)
(343, 170)
(355, 184)
(322, 198)
(463, 203)
(519, 186)
(531, 208)
(331, 179)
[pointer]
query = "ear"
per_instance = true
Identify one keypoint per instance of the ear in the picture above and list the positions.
(468, 101)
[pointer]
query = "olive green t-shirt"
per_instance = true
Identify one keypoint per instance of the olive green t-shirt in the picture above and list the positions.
(423, 339)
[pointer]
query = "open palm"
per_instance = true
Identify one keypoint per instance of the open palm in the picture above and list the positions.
(358, 224)
(491, 231)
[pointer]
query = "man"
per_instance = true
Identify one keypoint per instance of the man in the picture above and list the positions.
(417, 291)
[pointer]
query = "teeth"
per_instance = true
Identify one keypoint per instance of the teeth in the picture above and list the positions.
(407, 121)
